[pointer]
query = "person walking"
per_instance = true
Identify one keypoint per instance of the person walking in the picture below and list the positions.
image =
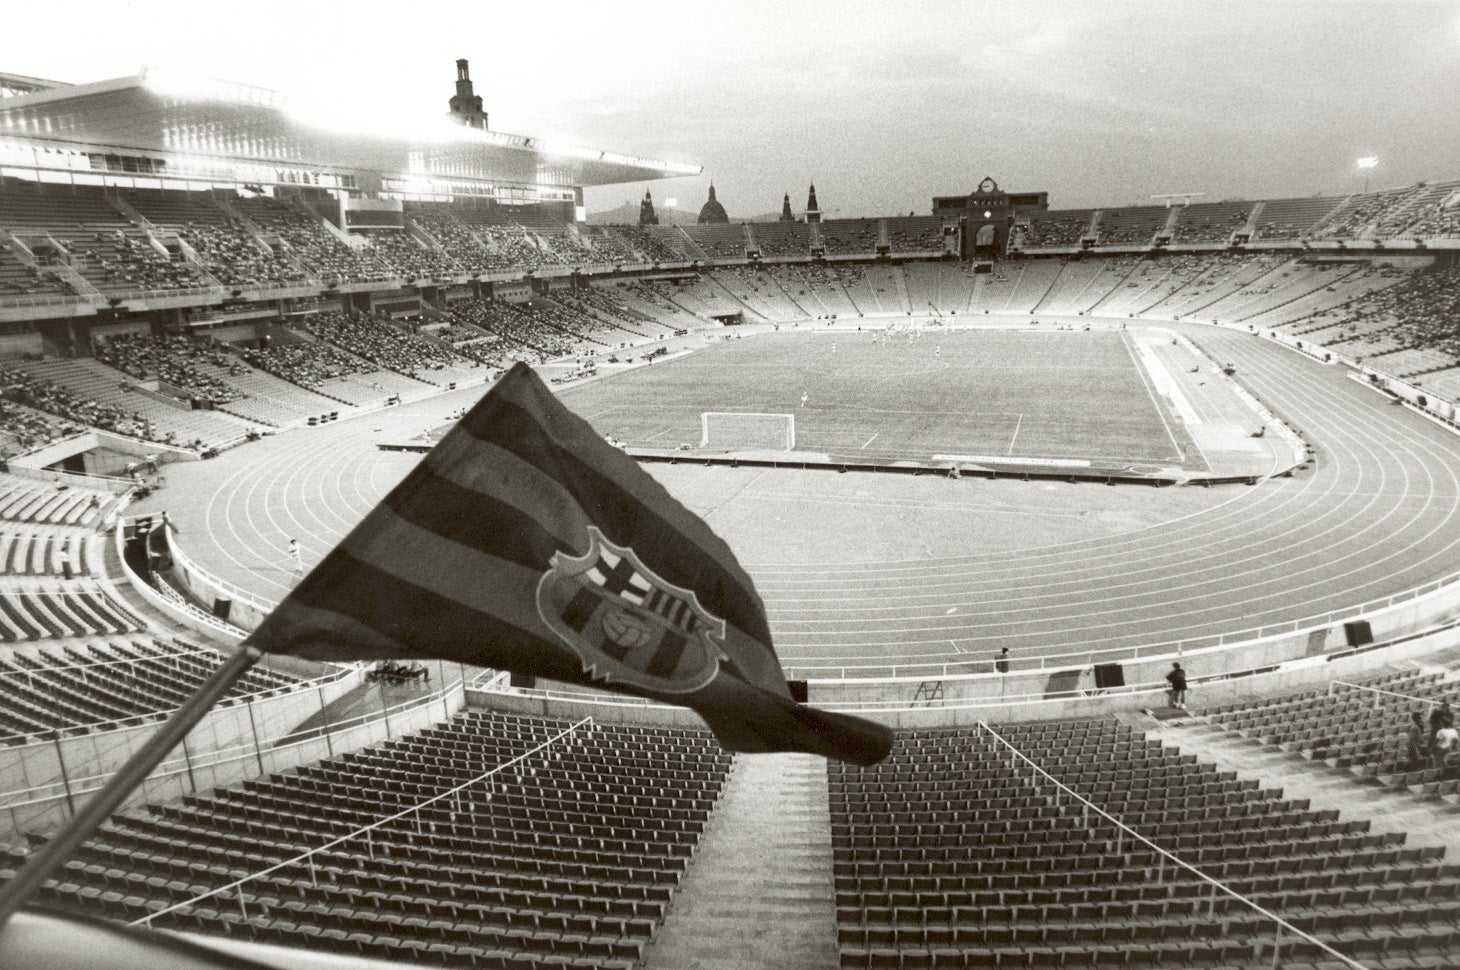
(296, 558)
(1419, 741)
(1001, 662)
(1177, 692)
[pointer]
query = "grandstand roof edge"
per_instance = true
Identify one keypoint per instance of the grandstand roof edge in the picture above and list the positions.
(238, 117)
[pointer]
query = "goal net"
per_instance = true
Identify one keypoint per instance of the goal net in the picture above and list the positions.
(747, 431)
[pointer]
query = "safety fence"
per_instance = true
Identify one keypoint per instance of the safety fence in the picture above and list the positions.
(364, 834)
(1282, 928)
(314, 735)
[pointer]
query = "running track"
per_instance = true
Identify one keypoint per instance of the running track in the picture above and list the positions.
(1378, 513)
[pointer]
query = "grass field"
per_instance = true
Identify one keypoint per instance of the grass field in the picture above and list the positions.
(1047, 394)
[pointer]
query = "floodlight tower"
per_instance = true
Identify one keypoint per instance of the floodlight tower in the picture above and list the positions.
(1367, 165)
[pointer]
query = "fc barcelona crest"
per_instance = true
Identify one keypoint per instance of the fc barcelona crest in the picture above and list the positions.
(626, 624)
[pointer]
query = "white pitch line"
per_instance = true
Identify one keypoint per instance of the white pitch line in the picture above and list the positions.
(1017, 425)
(870, 440)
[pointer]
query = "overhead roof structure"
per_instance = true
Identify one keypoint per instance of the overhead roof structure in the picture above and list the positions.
(160, 114)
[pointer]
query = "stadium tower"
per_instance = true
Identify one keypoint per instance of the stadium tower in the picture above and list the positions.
(466, 105)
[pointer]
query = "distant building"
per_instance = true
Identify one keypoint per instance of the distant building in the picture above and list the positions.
(813, 211)
(466, 106)
(786, 214)
(985, 217)
(712, 212)
(646, 211)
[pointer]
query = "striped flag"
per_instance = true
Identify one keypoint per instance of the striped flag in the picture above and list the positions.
(524, 542)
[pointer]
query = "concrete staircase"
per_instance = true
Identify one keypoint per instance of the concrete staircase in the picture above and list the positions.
(759, 892)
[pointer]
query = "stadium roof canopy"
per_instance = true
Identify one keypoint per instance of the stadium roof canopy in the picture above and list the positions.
(164, 115)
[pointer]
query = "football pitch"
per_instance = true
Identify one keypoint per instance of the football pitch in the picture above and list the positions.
(1078, 395)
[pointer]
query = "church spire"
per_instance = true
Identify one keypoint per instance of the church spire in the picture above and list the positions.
(786, 214)
(646, 211)
(813, 211)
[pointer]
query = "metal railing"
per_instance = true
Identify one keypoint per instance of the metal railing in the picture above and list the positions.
(1088, 807)
(68, 789)
(1379, 693)
(307, 857)
(953, 669)
(119, 724)
(185, 563)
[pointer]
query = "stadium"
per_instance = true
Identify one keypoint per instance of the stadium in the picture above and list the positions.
(1137, 525)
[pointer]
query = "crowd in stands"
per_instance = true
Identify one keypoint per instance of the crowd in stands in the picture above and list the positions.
(1422, 311)
(1057, 231)
(117, 261)
(176, 360)
(1211, 223)
(457, 334)
(607, 247)
(18, 279)
(306, 363)
(330, 258)
(408, 257)
(915, 234)
(655, 245)
(463, 244)
(509, 249)
(381, 342)
(590, 300)
(1360, 213)
(20, 387)
(234, 258)
(541, 328)
(1131, 227)
(24, 429)
(564, 248)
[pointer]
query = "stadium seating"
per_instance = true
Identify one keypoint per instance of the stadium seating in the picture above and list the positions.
(953, 853)
(1212, 222)
(94, 237)
(844, 237)
(1361, 214)
(46, 611)
(388, 345)
(719, 242)
(175, 360)
(1056, 228)
(409, 257)
(92, 685)
(1134, 226)
(782, 238)
(24, 429)
(567, 858)
(92, 393)
(915, 234)
(225, 245)
(23, 282)
(327, 256)
(1292, 218)
(1362, 731)
(40, 503)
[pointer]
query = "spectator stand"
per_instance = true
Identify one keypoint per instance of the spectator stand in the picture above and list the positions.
(514, 837)
(1358, 727)
(1082, 843)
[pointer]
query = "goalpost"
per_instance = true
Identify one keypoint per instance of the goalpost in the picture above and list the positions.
(747, 431)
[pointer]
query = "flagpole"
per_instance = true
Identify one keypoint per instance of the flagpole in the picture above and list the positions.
(53, 855)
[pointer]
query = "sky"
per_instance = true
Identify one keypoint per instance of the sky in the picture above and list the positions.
(883, 105)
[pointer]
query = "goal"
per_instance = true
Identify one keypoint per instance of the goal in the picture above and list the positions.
(747, 431)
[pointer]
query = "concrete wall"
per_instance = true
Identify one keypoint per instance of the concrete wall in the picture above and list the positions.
(37, 776)
(1302, 674)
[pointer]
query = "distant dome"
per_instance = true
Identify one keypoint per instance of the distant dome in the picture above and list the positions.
(712, 211)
